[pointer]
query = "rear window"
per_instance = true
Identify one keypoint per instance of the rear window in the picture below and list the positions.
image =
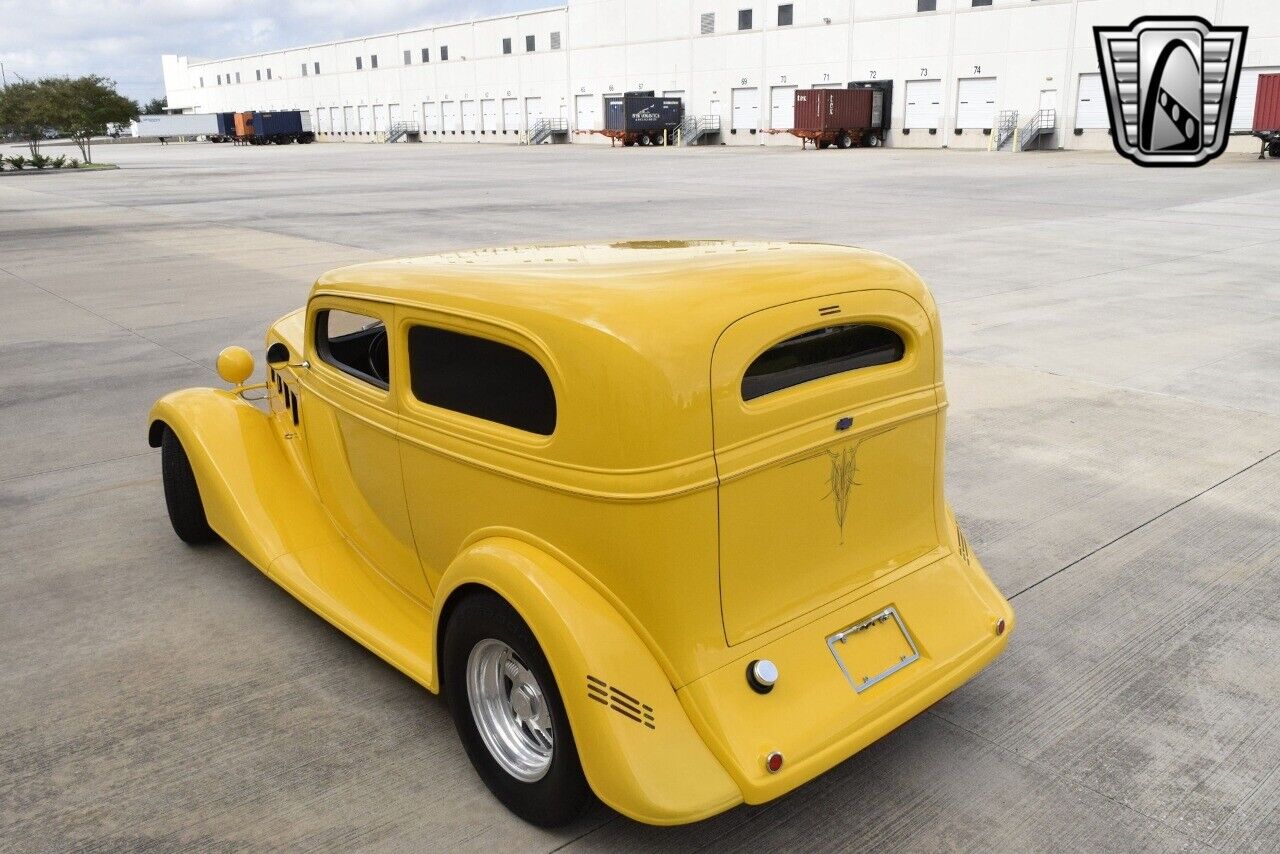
(482, 378)
(820, 353)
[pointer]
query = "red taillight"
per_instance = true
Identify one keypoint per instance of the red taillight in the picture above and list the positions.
(773, 762)
(1000, 626)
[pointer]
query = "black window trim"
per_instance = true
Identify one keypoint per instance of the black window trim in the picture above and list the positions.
(320, 340)
(908, 347)
(453, 419)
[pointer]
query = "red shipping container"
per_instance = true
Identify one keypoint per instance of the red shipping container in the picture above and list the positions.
(1266, 109)
(833, 109)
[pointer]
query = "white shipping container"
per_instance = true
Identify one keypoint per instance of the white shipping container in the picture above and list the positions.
(187, 124)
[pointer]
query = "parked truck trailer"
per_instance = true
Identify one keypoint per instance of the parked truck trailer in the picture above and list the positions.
(842, 117)
(226, 128)
(1266, 115)
(640, 118)
(281, 127)
(175, 125)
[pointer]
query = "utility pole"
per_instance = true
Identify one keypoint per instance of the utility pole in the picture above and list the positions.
(4, 81)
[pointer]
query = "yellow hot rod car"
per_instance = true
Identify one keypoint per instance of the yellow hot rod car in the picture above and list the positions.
(663, 521)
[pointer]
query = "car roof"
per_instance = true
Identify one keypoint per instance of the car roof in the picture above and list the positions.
(627, 289)
(627, 329)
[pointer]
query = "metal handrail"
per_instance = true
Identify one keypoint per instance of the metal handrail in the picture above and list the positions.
(1006, 124)
(1040, 122)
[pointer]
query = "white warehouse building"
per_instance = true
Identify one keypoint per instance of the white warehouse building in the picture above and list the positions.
(954, 65)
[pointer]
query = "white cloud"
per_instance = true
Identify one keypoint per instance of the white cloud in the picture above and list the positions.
(123, 39)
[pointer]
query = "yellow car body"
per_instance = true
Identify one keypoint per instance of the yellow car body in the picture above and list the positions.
(663, 536)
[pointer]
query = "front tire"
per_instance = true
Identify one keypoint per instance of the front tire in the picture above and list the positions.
(181, 494)
(509, 714)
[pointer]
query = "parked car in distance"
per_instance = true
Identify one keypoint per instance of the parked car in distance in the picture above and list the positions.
(663, 520)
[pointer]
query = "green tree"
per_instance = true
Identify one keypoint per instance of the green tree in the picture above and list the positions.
(24, 112)
(156, 106)
(82, 107)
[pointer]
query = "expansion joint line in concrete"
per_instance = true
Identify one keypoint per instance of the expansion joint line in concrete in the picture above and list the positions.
(1137, 528)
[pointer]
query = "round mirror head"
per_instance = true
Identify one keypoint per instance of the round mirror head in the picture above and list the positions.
(235, 365)
(277, 355)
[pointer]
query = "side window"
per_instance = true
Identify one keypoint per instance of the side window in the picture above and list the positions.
(355, 344)
(482, 378)
(820, 353)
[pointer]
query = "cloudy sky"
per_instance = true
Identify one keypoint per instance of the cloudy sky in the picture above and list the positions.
(123, 39)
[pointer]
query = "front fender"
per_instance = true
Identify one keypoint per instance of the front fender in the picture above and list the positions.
(638, 749)
(254, 495)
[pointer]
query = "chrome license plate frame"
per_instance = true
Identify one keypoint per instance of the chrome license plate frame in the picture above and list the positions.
(882, 616)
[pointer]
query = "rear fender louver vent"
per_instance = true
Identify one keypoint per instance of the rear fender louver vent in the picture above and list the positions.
(828, 310)
(964, 545)
(621, 702)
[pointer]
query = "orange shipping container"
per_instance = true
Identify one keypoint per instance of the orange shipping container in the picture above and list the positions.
(244, 125)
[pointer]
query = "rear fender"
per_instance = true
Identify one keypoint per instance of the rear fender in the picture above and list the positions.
(638, 749)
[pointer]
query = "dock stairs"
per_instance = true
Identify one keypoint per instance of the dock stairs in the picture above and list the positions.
(546, 130)
(1025, 135)
(694, 128)
(408, 131)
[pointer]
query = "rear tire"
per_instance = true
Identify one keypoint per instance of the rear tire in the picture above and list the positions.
(181, 494)
(844, 140)
(554, 791)
(1274, 148)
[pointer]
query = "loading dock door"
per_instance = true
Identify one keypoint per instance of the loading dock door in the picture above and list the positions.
(746, 109)
(488, 115)
(349, 120)
(532, 111)
(510, 115)
(430, 116)
(335, 120)
(322, 120)
(451, 120)
(366, 125)
(924, 104)
(1247, 97)
(782, 107)
(585, 106)
(379, 118)
(1091, 104)
(976, 103)
(469, 116)
(394, 115)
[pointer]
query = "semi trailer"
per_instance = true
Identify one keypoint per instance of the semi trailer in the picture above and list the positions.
(278, 126)
(640, 118)
(175, 125)
(226, 128)
(844, 118)
(1266, 115)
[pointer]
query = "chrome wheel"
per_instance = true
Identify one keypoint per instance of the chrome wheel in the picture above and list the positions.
(510, 710)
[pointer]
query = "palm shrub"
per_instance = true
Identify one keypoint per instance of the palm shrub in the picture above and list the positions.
(40, 161)
(18, 162)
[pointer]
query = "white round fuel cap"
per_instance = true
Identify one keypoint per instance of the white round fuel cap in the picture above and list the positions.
(762, 674)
